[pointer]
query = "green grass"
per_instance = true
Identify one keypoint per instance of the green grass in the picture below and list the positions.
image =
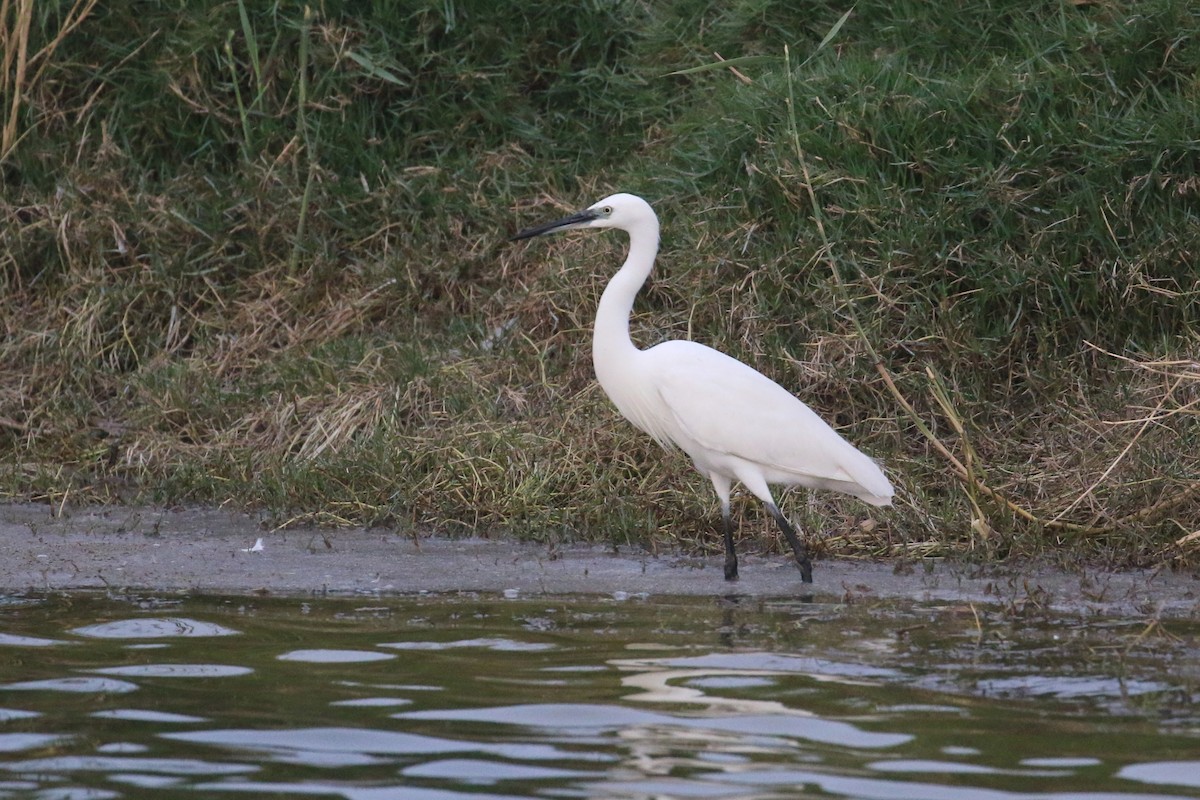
(256, 257)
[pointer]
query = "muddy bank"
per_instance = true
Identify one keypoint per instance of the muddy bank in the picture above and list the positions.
(213, 551)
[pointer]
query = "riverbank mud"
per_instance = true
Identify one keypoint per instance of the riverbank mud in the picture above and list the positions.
(220, 552)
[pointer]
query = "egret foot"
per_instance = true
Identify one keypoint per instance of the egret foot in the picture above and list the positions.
(805, 567)
(798, 546)
(731, 573)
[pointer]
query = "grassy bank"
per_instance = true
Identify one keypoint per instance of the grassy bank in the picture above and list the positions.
(257, 256)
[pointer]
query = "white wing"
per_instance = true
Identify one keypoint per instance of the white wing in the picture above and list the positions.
(726, 407)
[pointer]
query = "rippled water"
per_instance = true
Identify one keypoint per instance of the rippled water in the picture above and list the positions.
(455, 697)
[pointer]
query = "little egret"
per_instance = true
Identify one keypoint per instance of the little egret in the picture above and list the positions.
(735, 423)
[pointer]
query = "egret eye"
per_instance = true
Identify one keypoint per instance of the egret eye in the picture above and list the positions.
(607, 211)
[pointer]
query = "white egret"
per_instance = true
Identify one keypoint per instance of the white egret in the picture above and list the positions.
(734, 422)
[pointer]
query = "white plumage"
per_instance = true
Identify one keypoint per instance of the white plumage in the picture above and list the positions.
(734, 422)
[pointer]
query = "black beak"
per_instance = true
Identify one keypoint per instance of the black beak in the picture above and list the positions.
(566, 223)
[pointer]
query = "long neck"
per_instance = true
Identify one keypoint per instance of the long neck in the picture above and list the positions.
(611, 345)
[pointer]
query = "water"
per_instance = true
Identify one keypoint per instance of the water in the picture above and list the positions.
(443, 697)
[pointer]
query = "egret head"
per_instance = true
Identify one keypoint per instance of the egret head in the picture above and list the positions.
(624, 211)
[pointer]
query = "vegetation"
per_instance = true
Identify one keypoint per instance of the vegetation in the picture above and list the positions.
(256, 254)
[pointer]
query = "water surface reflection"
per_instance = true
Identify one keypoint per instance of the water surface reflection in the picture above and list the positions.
(469, 696)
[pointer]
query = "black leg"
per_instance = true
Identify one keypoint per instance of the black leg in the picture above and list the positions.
(798, 546)
(731, 573)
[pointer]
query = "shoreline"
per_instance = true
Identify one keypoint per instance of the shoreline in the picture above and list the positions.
(211, 551)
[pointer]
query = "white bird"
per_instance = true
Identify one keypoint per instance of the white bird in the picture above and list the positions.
(735, 423)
